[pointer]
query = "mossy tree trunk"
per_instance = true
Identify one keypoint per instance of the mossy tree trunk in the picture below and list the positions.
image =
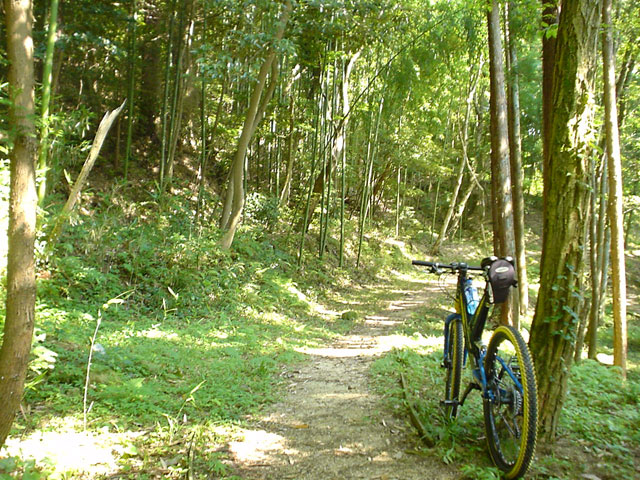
(550, 12)
(566, 190)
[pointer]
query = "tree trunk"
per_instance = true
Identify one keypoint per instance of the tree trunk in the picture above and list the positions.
(21, 280)
(452, 205)
(101, 134)
(565, 188)
(594, 265)
(43, 149)
(253, 117)
(366, 186)
(602, 257)
(500, 166)
(550, 13)
(515, 157)
(177, 110)
(150, 85)
(292, 141)
(456, 221)
(132, 79)
(615, 194)
(398, 201)
(165, 97)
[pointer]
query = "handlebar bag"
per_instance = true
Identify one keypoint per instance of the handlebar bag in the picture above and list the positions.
(502, 276)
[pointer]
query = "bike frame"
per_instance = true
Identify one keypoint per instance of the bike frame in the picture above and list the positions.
(473, 326)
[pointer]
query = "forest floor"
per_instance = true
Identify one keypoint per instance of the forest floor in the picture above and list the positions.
(331, 424)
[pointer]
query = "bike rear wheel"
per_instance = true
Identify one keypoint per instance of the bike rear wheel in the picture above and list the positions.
(510, 406)
(453, 363)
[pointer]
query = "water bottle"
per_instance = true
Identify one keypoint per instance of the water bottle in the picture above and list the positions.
(471, 294)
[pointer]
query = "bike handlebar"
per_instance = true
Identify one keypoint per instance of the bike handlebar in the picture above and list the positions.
(454, 267)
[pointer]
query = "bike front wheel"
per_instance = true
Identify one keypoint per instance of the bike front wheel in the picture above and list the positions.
(510, 403)
(453, 362)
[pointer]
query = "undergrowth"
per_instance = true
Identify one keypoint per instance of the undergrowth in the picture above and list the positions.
(192, 339)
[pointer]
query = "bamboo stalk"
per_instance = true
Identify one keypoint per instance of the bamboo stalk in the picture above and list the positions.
(46, 100)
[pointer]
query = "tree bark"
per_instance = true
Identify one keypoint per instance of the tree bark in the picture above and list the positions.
(500, 166)
(615, 194)
(21, 281)
(566, 183)
(515, 157)
(254, 114)
(550, 13)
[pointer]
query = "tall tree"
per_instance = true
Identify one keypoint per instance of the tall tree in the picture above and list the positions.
(234, 202)
(550, 12)
(133, 24)
(47, 76)
(566, 190)
(500, 166)
(515, 156)
(616, 218)
(21, 281)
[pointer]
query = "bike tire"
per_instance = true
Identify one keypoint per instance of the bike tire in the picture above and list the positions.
(511, 416)
(453, 363)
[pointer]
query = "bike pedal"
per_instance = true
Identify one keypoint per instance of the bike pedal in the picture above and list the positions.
(449, 403)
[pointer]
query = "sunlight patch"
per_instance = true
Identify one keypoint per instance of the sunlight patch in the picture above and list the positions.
(390, 342)
(153, 332)
(373, 346)
(408, 277)
(342, 396)
(291, 288)
(256, 446)
(605, 359)
(68, 451)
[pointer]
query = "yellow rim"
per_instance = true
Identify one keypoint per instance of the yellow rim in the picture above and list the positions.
(510, 335)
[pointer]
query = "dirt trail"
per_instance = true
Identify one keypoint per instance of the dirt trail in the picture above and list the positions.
(330, 424)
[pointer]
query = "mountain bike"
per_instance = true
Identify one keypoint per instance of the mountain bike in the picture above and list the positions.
(502, 370)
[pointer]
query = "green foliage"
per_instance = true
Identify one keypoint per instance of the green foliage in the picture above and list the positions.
(198, 335)
(16, 468)
(42, 360)
(611, 407)
(203, 332)
(262, 209)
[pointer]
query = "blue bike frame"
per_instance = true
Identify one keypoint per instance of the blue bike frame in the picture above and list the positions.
(473, 327)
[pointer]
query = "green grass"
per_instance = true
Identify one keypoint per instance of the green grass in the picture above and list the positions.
(192, 340)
